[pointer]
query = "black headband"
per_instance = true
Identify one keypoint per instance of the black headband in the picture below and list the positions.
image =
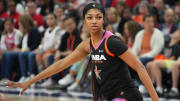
(93, 6)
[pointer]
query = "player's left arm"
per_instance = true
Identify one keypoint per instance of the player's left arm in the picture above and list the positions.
(132, 60)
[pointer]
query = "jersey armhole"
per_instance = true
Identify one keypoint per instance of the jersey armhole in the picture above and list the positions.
(106, 48)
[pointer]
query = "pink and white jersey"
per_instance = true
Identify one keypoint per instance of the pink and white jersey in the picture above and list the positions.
(9, 40)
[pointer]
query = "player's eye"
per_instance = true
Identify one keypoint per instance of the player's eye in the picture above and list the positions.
(89, 18)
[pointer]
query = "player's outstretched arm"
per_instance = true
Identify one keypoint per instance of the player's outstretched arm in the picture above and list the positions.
(132, 60)
(78, 54)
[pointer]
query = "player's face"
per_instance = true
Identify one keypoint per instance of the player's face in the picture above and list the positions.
(94, 20)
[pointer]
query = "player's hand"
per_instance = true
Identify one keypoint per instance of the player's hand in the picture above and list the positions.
(24, 85)
(155, 99)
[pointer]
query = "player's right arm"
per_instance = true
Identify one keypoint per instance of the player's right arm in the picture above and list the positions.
(78, 54)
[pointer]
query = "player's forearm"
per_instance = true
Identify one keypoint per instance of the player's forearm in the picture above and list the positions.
(53, 69)
(144, 77)
(65, 53)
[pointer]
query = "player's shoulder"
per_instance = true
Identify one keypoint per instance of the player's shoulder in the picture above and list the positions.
(113, 38)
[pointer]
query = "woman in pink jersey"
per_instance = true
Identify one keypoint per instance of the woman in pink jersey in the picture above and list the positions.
(10, 40)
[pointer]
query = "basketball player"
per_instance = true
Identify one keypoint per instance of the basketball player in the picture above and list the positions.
(109, 59)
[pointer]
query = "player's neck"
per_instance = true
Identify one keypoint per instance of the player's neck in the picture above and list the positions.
(97, 36)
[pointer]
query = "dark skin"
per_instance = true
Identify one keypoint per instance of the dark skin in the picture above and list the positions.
(94, 21)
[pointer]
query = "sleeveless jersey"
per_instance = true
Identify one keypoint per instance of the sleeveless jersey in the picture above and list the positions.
(9, 41)
(112, 74)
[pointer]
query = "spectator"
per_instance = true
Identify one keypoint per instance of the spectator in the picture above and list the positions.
(10, 40)
(69, 42)
(158, 10)
(70, 39)
(149, 41)
(76, 69)
(169, 63)
(3, 14)
(143, 9)
(169, 26)
(51, 58)
(131, 29)
(11, 37)
(59, 11)
(126, 16)
(120, 7)
(113, 18)
(38, 19)
(49, 43)
(44, 6)
(12, 13)
(30, 42)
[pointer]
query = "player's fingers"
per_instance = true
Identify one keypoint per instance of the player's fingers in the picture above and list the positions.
(22, 91)
(11, 84)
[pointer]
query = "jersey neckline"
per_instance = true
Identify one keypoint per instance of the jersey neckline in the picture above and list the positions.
(100, 42)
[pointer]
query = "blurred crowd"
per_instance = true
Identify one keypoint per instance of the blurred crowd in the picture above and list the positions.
(36, 33)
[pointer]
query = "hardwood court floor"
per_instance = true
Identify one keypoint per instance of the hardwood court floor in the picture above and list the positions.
(42, 98)
(39, 98)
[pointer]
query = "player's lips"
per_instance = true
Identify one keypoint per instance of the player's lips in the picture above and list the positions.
(94, 27)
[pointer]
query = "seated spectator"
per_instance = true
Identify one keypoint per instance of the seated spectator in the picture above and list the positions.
(143, 9)
(3, 14)
(120, 7)
(50, 41)
(148, 42)
(10, 39)
(12, 13)
(169, 26)
(59, 11)
(26, 57)
(76, 69)
(131, 29)
(30, 42)
(44, 7)
(126, 16)
(113, 18)
(70, 39)
(37, 18)
(169, 63)
(158, 10)
(69, 42)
